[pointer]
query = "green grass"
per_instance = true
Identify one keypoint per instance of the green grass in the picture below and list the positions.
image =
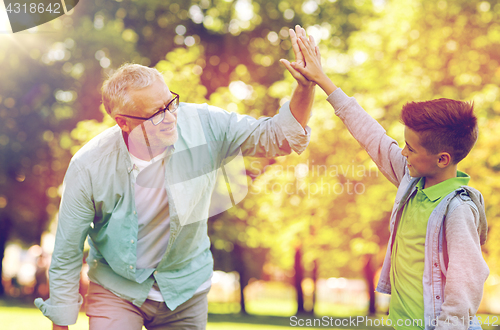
(269, 306)
(24, 318)
(27, 317)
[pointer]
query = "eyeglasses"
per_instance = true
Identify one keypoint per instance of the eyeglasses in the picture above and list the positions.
(159, 116)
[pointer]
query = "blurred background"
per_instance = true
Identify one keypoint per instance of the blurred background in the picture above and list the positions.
(310, 236)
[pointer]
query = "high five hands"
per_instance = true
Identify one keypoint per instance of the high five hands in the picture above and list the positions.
(299, 57)
(307, 67)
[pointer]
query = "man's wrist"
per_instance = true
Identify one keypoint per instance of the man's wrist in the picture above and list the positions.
(306, 87)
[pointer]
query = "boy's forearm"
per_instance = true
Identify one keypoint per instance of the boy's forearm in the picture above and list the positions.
(326, 84)
(301, 103)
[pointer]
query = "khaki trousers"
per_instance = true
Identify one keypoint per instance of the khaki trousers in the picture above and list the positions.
(106, 311)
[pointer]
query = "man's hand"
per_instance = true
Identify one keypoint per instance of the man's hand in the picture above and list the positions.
(299, 58)
(301, 32)
(303, 95)
(59, 327)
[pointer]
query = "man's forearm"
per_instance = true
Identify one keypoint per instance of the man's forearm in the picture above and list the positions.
(301, 103)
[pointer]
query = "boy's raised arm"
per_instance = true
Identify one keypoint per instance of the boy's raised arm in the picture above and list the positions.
(383, 150)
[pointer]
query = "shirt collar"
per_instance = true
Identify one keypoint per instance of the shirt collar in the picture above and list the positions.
(130, 161)
(442, 189)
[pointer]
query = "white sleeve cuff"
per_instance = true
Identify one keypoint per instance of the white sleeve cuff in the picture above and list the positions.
(60, 314)
(297, 136)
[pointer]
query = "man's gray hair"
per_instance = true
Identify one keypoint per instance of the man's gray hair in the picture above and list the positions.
(128, 77)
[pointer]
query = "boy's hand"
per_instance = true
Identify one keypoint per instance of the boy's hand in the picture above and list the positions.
(299, 58)
(312, 68)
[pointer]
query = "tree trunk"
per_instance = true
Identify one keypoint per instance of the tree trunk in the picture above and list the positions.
(315, 279)
(370, 276)
(4, 236)
(299, 276)
(241, 269)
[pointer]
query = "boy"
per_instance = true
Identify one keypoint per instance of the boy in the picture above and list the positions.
(433, 269)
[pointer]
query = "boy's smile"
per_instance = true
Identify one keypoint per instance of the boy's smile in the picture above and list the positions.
(420, 162)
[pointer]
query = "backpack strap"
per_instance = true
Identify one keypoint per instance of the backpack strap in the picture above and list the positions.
(462, 195)
(399, 212)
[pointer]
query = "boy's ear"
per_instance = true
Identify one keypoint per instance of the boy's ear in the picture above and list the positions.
(444, 159)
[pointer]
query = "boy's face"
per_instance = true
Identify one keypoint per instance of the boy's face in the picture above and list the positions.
(421, 163)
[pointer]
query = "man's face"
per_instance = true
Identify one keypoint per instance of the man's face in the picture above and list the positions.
(420, 162)
(149, 101)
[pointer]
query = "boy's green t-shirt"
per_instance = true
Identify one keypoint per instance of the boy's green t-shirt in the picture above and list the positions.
(406, 308)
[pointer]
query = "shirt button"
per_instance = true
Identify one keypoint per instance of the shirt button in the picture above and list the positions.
(435, 264)
(156, 272)
(132, 241)
(131, 267)
(438, 297)
(135, 212)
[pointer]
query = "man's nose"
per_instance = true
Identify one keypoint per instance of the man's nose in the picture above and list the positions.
(169, 117)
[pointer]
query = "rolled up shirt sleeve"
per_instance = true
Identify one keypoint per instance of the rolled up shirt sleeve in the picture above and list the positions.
(264, 137)
(60, 314)
(75, 216)
(297, 136)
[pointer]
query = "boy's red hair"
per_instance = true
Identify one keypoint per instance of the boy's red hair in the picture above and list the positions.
(443, 125)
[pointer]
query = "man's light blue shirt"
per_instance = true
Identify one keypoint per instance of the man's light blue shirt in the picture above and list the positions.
(98, 201)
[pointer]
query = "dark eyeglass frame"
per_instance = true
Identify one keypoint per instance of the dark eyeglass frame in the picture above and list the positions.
(161, 111)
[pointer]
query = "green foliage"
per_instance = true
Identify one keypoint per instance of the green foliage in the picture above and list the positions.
(385, 53)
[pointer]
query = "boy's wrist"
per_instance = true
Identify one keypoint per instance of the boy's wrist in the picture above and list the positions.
(326, 84)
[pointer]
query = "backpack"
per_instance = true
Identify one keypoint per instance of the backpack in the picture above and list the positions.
(464, 194)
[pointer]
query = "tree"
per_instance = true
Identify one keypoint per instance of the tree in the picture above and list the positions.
(51, 82)
(331, 200)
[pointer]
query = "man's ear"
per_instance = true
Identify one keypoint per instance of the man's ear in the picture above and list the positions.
(444, 159)
(123, 123)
